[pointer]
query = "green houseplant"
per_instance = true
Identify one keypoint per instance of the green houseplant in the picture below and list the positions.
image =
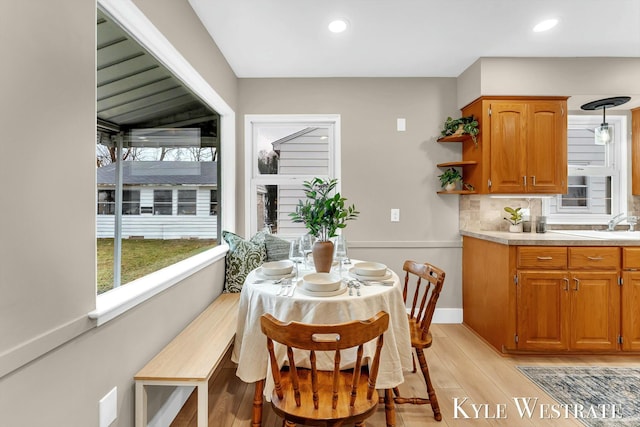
(449, 178)
(461, 126)
(515, 219)
(323, 214)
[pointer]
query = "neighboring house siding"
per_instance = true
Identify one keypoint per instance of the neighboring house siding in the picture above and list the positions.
(202, 225)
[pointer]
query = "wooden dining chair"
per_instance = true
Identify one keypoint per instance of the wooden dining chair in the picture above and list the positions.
(422, 286)
(311, 396)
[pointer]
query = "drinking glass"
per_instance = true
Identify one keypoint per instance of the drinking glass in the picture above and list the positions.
(340, 250)
(296, 255)
(306, 245)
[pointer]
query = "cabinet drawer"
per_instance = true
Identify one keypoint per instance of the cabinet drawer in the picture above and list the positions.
(542, 257)
(594, 258)
(631, 258)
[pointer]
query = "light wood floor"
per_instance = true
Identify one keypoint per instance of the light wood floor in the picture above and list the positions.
(461, 365)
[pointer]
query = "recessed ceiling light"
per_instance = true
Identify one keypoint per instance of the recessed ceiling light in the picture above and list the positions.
(545, 25)
(338, 25)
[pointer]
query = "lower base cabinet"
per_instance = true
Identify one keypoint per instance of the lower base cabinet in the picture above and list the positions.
(552, 299)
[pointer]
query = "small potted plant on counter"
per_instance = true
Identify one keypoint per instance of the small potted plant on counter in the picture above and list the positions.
(515, 219)
(449, 178)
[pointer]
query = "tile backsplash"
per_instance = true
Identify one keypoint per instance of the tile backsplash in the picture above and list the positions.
(485, 213)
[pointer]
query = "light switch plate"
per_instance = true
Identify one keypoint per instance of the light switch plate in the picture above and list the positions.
(395, 215)
(402, 125)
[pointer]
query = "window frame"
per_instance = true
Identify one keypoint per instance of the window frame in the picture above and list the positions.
(618, 171)
(254, 179)
(117, 301)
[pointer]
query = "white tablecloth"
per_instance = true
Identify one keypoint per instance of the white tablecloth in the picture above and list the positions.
(250, 350)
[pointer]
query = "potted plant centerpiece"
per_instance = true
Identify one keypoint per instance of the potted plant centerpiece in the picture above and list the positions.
(323, 214)
(515, 219)
(449, 178)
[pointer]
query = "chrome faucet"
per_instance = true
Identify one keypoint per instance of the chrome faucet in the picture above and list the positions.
(615, 221)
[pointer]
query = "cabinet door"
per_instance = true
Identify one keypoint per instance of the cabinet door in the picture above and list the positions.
(546, 153)
(542, 310)
(508, 151)
(595, 310)
(631, 311)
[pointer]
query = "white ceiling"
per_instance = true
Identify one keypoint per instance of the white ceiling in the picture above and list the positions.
(410, 38)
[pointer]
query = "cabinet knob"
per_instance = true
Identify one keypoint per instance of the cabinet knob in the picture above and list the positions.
(595, 258)
(577, 284)
(545, 258)
(566, 284)
(533, 180)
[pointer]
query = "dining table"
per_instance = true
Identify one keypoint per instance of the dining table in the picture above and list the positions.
(262, 294)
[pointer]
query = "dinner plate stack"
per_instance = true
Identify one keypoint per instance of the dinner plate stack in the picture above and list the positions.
(370, 271)
(276, 269)
(321, 284)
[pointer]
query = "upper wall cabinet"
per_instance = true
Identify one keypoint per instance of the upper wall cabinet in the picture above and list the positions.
(522, 145)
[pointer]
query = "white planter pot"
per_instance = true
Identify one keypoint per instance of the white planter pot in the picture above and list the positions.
(515, 228)
(450, 186)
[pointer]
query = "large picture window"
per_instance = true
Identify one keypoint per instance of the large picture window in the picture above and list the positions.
(287, 150)
(157, 162)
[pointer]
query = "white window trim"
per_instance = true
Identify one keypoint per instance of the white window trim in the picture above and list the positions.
(619, 188)
(250, 166)
(117, 301)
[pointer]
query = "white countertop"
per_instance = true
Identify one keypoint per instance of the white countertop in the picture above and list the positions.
(550, 238)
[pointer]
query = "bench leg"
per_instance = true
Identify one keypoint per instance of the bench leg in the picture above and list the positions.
(203, 404)
(141, 405)
(258, 397)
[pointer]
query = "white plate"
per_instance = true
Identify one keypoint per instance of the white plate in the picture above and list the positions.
(261, 275)
(277, 268)
(342, 289)
(370, 269)
(387, 276)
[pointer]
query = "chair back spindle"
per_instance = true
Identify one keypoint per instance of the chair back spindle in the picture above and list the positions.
(351, 391)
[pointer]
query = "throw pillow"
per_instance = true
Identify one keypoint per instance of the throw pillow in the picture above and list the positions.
(243, 256)
(277, 248)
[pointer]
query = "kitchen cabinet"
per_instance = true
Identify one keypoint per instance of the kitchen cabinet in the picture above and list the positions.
(522, 145)
(463, 165)
(577, 308)
(635, 151)
(549, 298)
(631, 299)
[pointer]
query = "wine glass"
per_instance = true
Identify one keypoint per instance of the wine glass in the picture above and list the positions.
(306, 245)
(296, 255)
(340, 250)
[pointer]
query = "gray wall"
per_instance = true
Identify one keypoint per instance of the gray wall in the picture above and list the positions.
(381, 167)
(47, 244)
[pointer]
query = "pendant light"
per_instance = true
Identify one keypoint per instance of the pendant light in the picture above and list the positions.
(604, 132)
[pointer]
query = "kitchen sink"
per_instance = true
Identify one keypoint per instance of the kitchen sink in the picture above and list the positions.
(601, 234)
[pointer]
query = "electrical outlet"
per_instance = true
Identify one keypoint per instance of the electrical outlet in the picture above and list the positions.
(109, 408)
(395, 215)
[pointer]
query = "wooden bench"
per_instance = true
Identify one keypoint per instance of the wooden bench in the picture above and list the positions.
(191, 357)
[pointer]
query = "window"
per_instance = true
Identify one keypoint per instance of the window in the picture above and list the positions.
(162, 202)
(213, 202)
(186, 202)
(597, 174)
(286, 150)
(157, 160)
(130, 202)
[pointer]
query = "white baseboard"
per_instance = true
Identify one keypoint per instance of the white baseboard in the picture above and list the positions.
(447, 315)
(170, 409)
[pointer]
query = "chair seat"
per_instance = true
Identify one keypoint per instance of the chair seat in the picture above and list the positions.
(416, 336)
(308, 415)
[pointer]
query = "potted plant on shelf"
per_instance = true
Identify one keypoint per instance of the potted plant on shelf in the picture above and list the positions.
(449, 178)
(461, 126)
(323, 214)
(515, 219)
